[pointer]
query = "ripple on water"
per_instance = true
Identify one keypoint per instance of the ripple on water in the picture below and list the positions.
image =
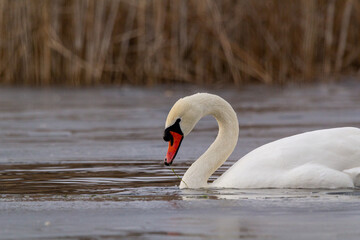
(82, 178)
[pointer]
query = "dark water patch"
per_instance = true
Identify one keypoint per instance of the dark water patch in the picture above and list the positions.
(355, 193)
(82, 178)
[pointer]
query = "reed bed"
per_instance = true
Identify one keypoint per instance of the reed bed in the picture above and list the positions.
(147, 42)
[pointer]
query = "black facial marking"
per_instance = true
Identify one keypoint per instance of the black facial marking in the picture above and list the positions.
(174, 128)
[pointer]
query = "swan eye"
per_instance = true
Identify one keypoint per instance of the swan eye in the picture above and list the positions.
(173, 128)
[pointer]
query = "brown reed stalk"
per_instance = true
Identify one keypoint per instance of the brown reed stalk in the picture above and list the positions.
(343, 35)
(79, 37)
(183, 39)
(125, 36)
(147, 42)
(310, 30)
(224, 41)
(45, 50)
(141, 42)
(106, 39)
(330, 13)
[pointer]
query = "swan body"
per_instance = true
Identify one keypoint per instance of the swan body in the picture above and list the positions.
(328, 158)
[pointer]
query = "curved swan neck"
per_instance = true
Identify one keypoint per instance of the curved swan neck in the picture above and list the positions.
(218, 152)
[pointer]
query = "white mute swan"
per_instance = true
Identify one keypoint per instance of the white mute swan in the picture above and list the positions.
(327, 158)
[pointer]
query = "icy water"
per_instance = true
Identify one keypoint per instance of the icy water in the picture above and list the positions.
(88, 164)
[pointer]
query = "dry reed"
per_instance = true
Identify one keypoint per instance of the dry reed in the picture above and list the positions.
(147, 42)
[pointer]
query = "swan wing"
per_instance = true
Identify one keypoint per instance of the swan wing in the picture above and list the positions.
(314, 159)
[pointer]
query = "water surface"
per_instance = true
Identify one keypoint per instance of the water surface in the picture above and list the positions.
(88, 164)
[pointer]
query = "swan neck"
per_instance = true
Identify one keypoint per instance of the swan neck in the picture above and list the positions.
(200, 171)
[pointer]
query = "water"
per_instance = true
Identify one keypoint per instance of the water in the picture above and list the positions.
(88, 164)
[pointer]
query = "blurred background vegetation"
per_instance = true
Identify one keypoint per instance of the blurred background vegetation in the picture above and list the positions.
(146, 42)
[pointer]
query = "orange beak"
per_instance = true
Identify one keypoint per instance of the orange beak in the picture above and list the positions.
(174, 145)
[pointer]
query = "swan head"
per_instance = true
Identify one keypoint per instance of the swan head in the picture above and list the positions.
(181, 119)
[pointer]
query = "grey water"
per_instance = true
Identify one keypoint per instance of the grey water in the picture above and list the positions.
(88, 164)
